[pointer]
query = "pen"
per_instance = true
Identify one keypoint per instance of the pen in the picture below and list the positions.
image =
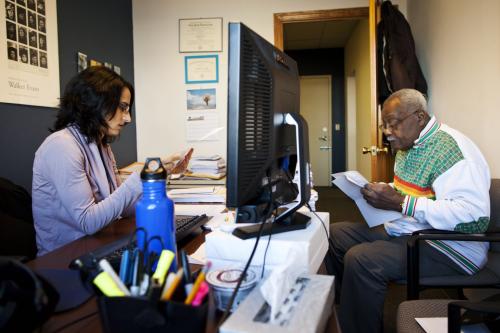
(105, 266)
(136, 273)
(199, 279)
(200, 295)
(168, 283)
(177, 279)
(187, 272)
(125, 267)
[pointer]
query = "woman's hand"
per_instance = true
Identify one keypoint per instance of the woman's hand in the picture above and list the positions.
(175, 164)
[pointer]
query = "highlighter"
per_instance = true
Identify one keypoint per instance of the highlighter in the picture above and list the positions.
(166, 258)
(107, 285)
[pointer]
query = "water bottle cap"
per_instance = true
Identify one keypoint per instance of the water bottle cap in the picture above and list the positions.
(153, 169)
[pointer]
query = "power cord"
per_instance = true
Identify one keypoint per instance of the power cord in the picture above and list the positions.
(269, 211)
(268, 242)
(330, 253)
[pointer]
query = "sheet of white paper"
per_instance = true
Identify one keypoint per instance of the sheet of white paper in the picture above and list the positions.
(198, 257)
(433, 325)
(202, 126)
(193, 190)
(209, 210)
(373, 216)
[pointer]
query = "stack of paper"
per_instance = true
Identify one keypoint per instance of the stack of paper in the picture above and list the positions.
(206, 167)
(131, 168)
(351, 182)
(199, 194)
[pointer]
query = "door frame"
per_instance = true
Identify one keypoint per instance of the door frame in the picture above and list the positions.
(380, 163)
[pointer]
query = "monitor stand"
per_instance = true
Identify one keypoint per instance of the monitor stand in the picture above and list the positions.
(296, 221)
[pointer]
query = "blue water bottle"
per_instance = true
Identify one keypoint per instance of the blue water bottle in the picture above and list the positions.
(155, 211)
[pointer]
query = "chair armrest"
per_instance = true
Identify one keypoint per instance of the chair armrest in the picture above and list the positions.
(433, 234)
(413, 274)
(483, 308)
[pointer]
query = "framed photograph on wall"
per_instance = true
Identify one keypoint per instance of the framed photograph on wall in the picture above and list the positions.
(29, 55)
(200, 35)
(201, 69)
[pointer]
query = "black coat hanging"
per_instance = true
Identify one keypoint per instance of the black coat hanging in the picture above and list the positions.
(397, 63)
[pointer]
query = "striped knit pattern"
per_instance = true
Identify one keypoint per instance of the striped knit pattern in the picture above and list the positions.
(416, 170)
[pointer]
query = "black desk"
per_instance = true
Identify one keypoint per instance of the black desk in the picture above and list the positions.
(61, 258)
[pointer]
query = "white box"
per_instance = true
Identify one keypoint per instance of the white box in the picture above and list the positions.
(311, 244)
(310, 314)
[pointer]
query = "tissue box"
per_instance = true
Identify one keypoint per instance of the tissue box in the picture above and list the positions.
(311, 244)
(309, 314)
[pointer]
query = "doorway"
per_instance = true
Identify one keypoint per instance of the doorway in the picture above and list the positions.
(315, 107)
(369, 152)
(334, 46)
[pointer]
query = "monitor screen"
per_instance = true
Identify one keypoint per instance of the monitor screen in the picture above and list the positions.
(267, 152)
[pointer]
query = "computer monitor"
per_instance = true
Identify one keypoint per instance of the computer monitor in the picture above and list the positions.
(267, 152)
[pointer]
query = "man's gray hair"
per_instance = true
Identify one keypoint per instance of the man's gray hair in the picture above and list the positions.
(411, 98)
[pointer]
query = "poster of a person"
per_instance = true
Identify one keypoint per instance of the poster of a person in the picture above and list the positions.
(33, 38)
(12, 51)
(201, 99)
(21, 15)
(41, 24)
(22, 35)
(23, 54)
(11, 31)
(10, 11)
(33, 57)
(43, 60)
(31, 19)
(42, 42)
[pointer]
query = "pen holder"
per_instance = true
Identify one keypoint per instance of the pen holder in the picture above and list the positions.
(136, 314)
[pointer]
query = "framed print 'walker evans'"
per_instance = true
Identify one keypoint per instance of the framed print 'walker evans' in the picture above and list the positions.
(29, 60)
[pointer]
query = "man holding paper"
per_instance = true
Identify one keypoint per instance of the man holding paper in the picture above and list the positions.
(441, 181)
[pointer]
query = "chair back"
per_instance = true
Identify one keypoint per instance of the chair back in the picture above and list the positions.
(494, 225)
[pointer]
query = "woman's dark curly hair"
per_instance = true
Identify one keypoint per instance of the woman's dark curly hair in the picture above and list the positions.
(89, 99)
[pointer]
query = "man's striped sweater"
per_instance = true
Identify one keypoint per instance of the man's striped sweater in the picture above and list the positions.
(445, 180)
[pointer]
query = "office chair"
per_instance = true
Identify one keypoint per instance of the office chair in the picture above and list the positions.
(17, 232)
(484, 314)
(488, 277)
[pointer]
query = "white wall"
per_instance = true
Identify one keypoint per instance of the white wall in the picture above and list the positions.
(458, 46)
(159, 67)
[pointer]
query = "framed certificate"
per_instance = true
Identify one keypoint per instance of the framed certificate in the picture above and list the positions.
(201, 69)
(200, 35)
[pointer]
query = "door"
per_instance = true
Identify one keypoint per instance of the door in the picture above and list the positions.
(381, 162)
(316, 108)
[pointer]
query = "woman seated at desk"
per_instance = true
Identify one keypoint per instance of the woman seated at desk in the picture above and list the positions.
(76, 189)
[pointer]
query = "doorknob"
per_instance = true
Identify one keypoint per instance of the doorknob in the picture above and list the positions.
(374, 150)
(325, 148)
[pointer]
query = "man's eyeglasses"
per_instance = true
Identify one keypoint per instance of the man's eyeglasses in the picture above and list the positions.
(395, 123)
(124, 107)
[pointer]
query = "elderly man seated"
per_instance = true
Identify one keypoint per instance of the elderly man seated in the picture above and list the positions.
(441, 181)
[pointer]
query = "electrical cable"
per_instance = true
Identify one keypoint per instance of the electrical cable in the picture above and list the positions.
(249, 261)
(268, 242)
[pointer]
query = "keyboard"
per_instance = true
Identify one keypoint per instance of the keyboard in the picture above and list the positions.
(112, 252)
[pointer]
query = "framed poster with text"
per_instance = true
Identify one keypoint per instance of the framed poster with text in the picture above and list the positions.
(200, 35)
(201, 69)
(29, 60)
